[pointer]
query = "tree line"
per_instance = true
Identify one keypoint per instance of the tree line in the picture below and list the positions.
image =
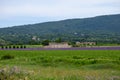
(13, 47)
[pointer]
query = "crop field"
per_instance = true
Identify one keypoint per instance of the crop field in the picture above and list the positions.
(60, 65)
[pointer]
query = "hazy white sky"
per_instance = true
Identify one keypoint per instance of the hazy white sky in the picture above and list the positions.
(19, 12)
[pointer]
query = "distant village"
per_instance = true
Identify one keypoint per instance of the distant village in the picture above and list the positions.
(66, 44)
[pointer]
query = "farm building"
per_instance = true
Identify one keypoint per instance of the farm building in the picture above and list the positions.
(58, 45)
(85, 43)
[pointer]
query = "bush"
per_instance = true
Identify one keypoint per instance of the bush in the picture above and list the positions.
(2, 47)
(14, 47)
(45, 42)
(7, 56)
(24, 46)
(21, 46)
(94, 61)
(17, 47)
(10, 46)
(6, 47)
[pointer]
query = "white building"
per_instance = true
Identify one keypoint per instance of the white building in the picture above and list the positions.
(58, 45)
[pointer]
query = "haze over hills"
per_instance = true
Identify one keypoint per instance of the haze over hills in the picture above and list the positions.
(101, 28)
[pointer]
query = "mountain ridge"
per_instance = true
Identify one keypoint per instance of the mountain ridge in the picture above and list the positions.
(61, 20)
(106, 27)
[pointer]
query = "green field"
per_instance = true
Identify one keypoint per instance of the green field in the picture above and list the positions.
(60, 65)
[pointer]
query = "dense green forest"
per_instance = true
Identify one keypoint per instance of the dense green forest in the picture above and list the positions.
(103, 29)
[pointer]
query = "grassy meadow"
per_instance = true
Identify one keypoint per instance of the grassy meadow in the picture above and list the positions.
(60, 65)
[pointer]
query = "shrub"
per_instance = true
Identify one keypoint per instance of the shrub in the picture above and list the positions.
(10, 47)
(45, 42)
(2, 47)
(94, 61)
(7, 56)
(24, 46)
(21, 46)
(17, 47)
(6, 47)
(14, 47)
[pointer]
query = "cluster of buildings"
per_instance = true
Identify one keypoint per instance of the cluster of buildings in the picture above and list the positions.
(85, 43)
(66, 45)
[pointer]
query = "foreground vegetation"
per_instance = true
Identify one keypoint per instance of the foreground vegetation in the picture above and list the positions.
(60, 65)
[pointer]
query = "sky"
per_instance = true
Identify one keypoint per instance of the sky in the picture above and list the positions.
(20, 12)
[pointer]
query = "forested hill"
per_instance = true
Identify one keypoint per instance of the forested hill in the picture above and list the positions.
(100, 28)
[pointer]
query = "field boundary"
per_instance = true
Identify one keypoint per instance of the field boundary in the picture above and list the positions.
(73, 48)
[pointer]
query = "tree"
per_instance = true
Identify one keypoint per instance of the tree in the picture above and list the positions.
(17, 47)
(6, 47)
(24, 46)
(21, 46)
(45, 42)
(58, 40)
(2, 47)
(14, 47)
(10, 47)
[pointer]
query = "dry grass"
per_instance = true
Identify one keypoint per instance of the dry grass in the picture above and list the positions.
(52, 73)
